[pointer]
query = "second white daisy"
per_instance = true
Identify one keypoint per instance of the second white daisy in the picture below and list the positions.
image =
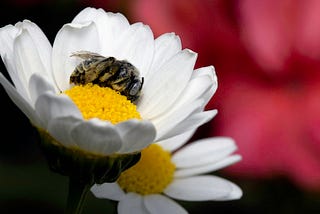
(163, 173)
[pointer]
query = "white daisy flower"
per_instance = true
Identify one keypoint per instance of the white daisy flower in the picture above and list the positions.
(164, 173)
(172, 98)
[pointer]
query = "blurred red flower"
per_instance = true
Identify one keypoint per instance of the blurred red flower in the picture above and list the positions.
(267, 58)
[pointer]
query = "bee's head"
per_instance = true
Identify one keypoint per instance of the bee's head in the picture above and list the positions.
(134, 89)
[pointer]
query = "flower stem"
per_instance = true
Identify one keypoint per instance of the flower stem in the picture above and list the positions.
(76, 196)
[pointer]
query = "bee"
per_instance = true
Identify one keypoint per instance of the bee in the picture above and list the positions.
(120, 75)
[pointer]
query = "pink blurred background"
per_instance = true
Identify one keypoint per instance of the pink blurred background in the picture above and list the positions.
(267, 59)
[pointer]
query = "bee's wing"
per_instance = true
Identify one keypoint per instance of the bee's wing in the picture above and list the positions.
(86, 55)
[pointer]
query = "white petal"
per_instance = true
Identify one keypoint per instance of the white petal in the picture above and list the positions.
(193, 121)
(208, 150)
(166, 46)
(110, 29)
(22, 104)
(72, 38)
(97, 136)
(162, 90)
(236, 193)
(159, 204)
(27, 59)
(135, 135)
(200, 188)
(171, 119)
(50, 106)
(208, 71)
(110, 191)
(39, 85)
(196, 89)
(173, 143)
(136, 45)
(88, 14)
(60, 128)
(42, 47)
(202, 85)
(109, 26)
(8, 35)
(132, 204)
(206, 168)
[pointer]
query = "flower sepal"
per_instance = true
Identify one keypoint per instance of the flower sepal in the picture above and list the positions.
(87, 167)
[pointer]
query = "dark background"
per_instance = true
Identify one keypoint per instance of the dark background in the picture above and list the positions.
(27, 184)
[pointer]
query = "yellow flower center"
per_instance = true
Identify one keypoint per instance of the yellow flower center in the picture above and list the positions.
(103, 103)
(151, 174)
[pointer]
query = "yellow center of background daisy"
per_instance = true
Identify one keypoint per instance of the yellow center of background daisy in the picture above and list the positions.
(151, 175)
(103, 103)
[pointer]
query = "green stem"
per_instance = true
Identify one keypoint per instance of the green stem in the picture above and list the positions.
(76, 196)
